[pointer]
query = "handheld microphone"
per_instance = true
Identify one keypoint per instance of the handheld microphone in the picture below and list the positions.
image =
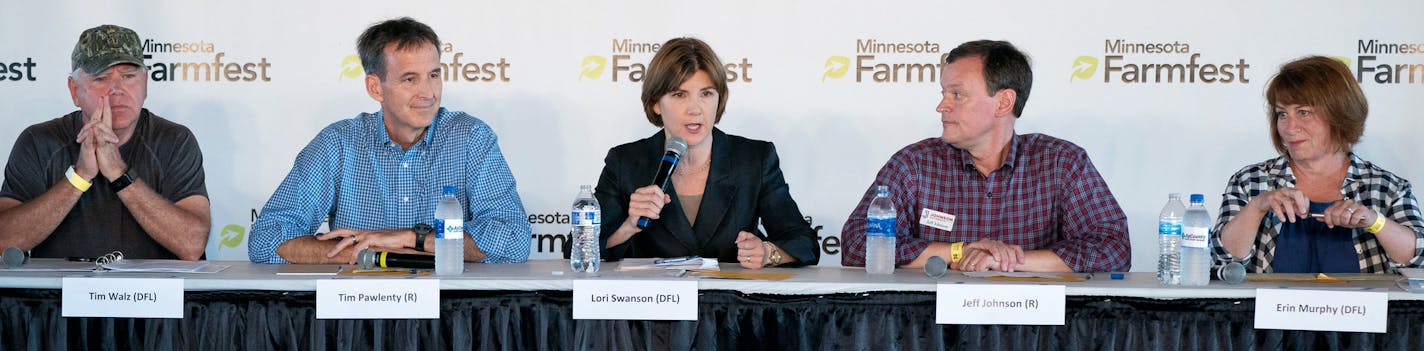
(675, 148)
(14, 257)
(369, 259)
(935, 267)
(1230, 272)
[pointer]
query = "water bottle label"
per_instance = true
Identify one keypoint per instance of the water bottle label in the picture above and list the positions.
(450, 228)
(585, 218)
(1195, 237)
(1169, 227)
(880, 227)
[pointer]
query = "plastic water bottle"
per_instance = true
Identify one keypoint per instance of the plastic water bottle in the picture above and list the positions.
(449, 234)
(1196, 253)
(1169, 234)
(585, 217)
(880, 234)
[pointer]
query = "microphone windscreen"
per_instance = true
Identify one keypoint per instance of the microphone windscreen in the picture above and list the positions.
(1231, 272)
(366, 259)
(14, 257)
(935, 267)
(677, 145)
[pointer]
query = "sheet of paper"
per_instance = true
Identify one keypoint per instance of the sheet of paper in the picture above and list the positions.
(309, 269)
(164, 266)
(643, 264)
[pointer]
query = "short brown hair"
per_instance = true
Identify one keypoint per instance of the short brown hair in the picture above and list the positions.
(1325, 84)
(676, 61)
(405, 32)
(1005, 67)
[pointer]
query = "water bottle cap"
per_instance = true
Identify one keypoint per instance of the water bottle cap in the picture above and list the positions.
(448, 190)
(586, 187)
(1177, 196)
(882, 190)
(1198, 198)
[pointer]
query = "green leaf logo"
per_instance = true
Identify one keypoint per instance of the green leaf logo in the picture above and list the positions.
(592, 67)
(232, 234)
(836, 67)
(350, 67)
(1083, 68)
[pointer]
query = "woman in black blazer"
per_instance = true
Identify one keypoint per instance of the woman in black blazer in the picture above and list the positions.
(723, 185)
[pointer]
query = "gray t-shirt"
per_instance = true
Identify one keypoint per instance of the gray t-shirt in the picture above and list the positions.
(163, 154)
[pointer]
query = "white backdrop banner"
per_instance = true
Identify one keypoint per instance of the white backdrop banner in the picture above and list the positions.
(1164, 97)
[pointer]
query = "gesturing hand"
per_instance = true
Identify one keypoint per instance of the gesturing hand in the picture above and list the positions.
(1289, 204)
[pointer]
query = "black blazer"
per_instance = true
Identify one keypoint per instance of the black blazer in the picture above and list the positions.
(744, 185)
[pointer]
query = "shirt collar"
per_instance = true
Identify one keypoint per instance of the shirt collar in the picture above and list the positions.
(382, 138)
(1010, 159)
(1285, 177)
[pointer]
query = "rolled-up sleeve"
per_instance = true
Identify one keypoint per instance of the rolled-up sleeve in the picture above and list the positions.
(301, 202)
(496, 219)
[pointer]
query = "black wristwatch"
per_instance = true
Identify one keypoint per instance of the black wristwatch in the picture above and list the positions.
(421, 230)
(118, 185)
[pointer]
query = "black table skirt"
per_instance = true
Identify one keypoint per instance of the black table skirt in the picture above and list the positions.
(728, 320)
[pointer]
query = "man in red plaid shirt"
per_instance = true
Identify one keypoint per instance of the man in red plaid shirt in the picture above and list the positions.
(986, 198)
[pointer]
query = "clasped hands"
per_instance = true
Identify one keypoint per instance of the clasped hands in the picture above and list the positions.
(989, 254)
(99, 146)
(395, 240)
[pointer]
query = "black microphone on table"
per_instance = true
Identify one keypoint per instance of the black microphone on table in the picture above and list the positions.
(675, 148)
(369, 259)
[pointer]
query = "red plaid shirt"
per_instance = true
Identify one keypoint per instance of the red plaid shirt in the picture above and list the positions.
(1046, 195)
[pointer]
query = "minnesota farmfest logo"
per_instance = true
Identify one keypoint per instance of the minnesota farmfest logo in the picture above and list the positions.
(1157, 63)
(879, 61)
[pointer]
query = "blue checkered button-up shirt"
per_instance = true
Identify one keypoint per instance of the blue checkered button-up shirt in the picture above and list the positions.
(353, 172)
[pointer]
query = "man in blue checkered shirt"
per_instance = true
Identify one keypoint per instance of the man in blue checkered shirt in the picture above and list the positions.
(377, 176)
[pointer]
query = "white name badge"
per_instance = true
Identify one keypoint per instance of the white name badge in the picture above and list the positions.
(1321, 310)
(937, 219)
(377, 298)
(635, 300)
(122, 297)
(1000, 304)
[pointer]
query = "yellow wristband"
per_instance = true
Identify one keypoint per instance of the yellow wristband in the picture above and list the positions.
(1379, 224)
(956, 252)
(76, 181)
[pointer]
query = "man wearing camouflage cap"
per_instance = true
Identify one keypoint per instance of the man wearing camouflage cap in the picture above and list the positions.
(109, 177)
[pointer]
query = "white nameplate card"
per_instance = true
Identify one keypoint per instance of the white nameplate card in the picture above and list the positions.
(122, 297)
(635, 300)
(937, 219)
(378, 298)
(1321, 310)
(1000, 304)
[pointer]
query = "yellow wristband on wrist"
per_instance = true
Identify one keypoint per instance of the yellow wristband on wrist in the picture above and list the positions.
(76, 181)
(956, 252)
(1379, 224)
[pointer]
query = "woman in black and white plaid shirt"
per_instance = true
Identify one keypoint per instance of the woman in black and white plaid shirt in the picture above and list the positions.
(1318, 207)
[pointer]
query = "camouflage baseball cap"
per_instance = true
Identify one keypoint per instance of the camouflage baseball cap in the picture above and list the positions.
(105, 46)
